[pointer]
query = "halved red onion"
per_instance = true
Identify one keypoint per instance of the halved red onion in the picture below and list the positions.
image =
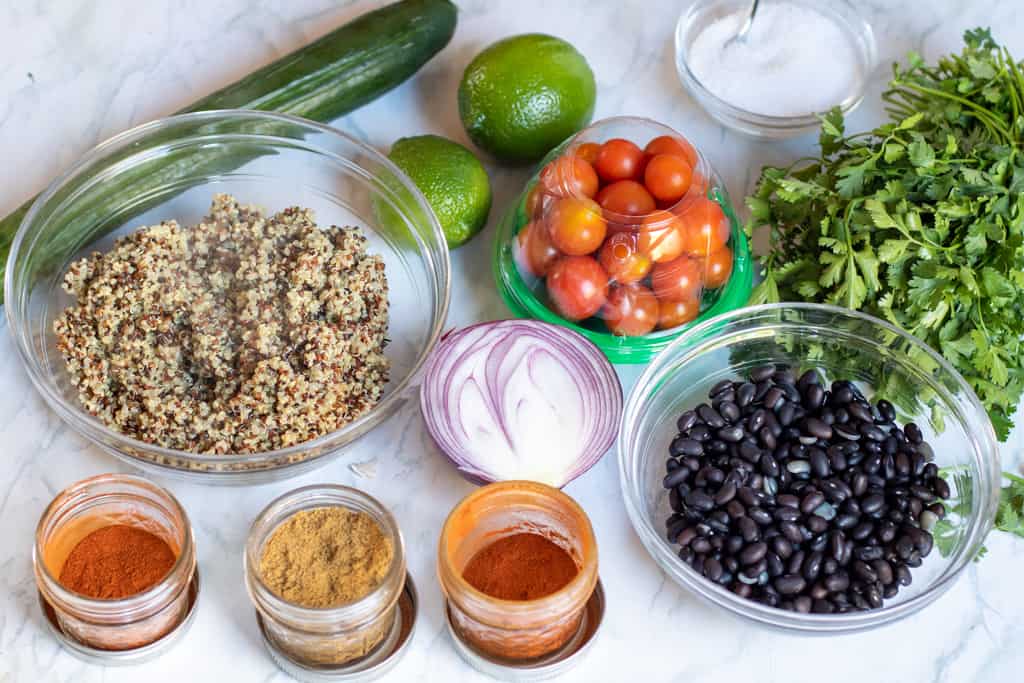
(520, 399)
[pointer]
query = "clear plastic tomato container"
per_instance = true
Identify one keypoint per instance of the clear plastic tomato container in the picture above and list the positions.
(625, 234)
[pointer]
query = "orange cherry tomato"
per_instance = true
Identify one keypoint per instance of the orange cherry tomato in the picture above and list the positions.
(718, 268)
(533, 250)
(668, 144)
(622, 259)
(577, 287)
(631, 311)
(569, 176)
(626, 197)
(588, 152)
(576, 226)
(675, 313)
(677, 280)
(661, 236)
(668, 177)
(534, 201)
(705, 227)
(618, 159)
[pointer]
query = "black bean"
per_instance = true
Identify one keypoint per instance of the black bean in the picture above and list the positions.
(886, 532)
(748, 529)
(940, 487)
(701, 545)
(816, 524)
(733, 544)
(796, 562)
(769, 465)
(744, 394)
(713, 569)
(811, 501)
(862, 531)
(818, 428)
(867, 553)
(864, 571)
(859, 484)
(699, 433)
(782, 547)
(884, 571)
(924, 543)
(822, 607)
(726, 493)
(710, 416)
(699, 500)
(775, 565)
(913, 433)
(759, 515)
(720, 387)
(819, 463)
(675, 477)
(872, 432)
(747, 496)
(686, 446)
(786, 514)
(814, 397)
(790, 584)
(903, 547)
(686, 421)
(729, 410)
(812, 566)
(786, 414)
(846, 432)
(886, 410)
(873, 503)
(846, 521)
(735, 509)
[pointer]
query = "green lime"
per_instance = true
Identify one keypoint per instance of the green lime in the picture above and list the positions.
(453, 181)
(525, 94)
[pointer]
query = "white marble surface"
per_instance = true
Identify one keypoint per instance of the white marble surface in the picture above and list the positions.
(73, 72)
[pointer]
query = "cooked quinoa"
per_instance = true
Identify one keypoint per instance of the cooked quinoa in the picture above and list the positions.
(241, 334)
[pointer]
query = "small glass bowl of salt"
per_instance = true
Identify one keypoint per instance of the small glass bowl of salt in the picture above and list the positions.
(799, 59)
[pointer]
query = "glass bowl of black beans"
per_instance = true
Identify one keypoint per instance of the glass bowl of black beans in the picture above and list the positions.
(808, 467)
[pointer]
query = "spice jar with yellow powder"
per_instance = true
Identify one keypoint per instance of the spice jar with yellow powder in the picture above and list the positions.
(325, 568)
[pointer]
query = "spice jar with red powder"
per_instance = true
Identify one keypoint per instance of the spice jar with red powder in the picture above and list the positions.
(517, 562)
(115, 565)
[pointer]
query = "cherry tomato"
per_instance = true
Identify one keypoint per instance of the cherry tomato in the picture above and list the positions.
(534, 201)
(667, 177)
(675, 313)
(631, 311)
(718, 267)
(588, 152)
(668, 144)
(661, 236)
(569, 176)
(533, 250)
(626, 197)
(576, 226)
(618, 159)
(578, 287)
(705, 227)
(677, 280)
(622, 259)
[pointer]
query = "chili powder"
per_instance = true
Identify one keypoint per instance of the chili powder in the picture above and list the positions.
(117, 561)
(522, 566)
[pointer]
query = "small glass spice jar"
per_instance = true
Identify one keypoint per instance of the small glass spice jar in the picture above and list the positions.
(515, 630)
(333, 636)
(123, 624)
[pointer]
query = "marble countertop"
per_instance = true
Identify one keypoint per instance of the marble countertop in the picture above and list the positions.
(73, 73)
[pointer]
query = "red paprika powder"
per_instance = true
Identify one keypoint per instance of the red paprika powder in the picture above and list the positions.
(522, 566)
(117, 561)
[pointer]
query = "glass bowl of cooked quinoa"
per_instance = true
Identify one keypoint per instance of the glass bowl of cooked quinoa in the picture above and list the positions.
(229, 296)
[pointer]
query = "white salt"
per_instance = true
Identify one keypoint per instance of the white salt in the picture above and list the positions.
(795, 60)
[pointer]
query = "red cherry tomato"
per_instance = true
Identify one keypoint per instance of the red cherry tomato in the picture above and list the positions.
(577, 286)
(618, 159)
(534, 201)
(668, 144)
(626, 197)
(622, 259)
(569, 176)
(588, 152)
(677, 280)
(668, 177)
(533, 250)
(718, 268)
(631, 311)
(661, 236)
(705, 227)
(675, 313)
(576, 226)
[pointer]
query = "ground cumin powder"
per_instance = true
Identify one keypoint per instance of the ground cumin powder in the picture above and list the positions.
(326, 557)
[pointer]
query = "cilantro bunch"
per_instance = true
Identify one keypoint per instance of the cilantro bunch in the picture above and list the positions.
(919, 221)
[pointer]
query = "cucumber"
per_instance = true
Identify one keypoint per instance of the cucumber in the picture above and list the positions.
(328, 78)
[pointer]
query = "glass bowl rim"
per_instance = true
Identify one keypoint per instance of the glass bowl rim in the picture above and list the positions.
(852, 22)
(94, 427)
(979, 524)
